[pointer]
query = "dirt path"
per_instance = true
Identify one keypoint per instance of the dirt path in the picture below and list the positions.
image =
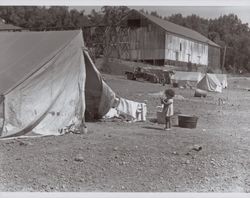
(135, 157)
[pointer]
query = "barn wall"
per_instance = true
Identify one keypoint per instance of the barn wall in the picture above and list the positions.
(183, 50)
(214, 57)
(146, 44)
(146, 41)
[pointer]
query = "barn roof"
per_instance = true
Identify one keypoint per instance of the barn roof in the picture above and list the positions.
(179, 30)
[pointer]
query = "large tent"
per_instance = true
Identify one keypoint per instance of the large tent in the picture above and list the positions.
(47, 83)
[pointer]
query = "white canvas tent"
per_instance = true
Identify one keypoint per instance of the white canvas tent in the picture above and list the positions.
(210, 83)
(223, 79)
(187, 78)
(48, 82)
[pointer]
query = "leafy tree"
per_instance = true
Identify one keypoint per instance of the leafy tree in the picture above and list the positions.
(227, 30)
(114, 14)
(154, 13)
(95, 18)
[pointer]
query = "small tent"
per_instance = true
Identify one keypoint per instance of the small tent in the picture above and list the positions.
(210, 83)
(223, 79)
(48, 82)
(186, 78)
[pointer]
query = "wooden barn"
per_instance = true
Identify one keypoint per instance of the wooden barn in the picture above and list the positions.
(160, 42)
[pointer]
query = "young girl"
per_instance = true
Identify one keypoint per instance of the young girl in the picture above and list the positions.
(168, 107)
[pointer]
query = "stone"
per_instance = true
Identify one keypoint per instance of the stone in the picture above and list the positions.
(79, 159)
(115, 148)
(81, 180)
(197, 147)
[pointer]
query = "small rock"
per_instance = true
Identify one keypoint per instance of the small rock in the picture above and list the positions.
(187, 162)
(79, 159)
(44, 186)
(15, 176)
(18, 158)
(235, 177)
(65, 160)
(175, 153)
(197, 147)
(109, 135)
(122, 163)
(115, 148)
(22, 143)
(123, 187)
(63, 186)
(81, 180)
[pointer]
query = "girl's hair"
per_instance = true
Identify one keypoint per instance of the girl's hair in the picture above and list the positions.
(170, 92)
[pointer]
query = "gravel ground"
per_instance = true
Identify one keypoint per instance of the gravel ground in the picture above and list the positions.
(141, 157)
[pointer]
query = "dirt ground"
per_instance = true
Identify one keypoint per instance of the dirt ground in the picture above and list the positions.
(141, 157)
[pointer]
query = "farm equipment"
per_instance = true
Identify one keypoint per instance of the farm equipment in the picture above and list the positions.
(140, 74)
(151, 75)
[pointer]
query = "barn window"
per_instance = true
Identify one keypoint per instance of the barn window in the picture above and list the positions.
(189, 57)
(134, 23)
(180, 47)
(176, 56)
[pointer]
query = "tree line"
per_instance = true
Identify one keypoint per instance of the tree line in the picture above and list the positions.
(228, 31)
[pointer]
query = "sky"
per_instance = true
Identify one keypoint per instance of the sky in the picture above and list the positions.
(243, 12)
(203, 8)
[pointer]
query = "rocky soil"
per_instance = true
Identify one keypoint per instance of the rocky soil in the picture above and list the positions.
(141, 157)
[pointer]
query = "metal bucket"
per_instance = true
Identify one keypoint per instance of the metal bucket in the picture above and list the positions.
(187, 121)
(200, 93)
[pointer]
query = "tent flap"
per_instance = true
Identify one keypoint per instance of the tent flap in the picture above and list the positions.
(50, 99)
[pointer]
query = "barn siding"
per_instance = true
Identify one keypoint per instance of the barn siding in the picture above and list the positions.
(183, 48)
(214, 57)
(145, 44)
